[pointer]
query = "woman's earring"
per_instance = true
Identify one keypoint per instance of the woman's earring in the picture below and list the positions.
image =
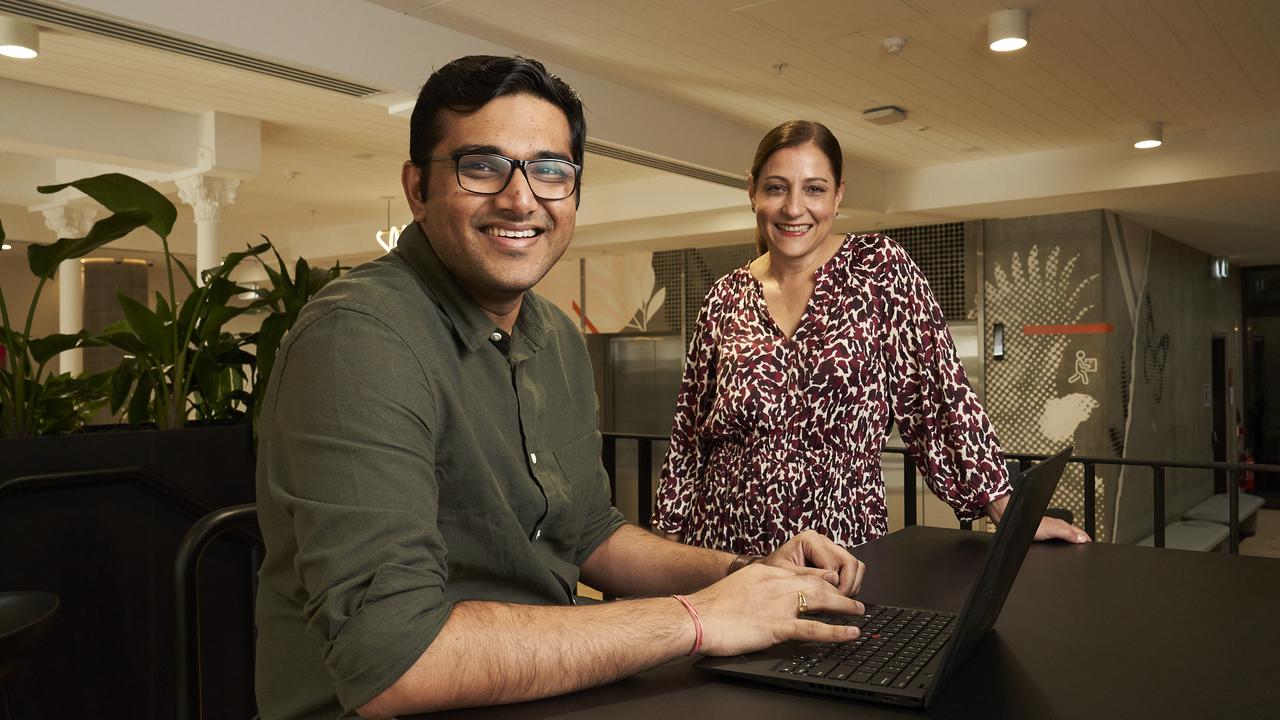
(753, 207)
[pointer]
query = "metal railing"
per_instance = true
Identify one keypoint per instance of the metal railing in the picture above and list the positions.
(645, 475)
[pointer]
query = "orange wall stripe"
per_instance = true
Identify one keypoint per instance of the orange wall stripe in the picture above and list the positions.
(1077, 329)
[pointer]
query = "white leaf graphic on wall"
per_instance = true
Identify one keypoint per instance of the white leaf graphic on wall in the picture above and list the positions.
(1031, 292)
(1022, 389)
(620, 292)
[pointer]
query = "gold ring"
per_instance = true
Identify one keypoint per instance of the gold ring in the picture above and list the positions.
(802, 603)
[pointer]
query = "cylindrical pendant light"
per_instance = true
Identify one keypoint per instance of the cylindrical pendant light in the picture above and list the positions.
(1007, 30)
(18, 39)
(1152, 136)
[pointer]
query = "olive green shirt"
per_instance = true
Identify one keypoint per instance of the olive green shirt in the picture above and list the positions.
(412, 456)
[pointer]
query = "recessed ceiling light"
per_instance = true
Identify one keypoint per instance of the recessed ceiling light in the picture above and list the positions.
(1007, 30)
(18, 39)
(1152, 136)
(5, 246)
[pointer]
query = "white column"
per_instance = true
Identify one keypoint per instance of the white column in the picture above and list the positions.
(70, 222)
(207, 195)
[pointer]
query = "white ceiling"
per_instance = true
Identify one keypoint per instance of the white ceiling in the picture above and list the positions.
(1043, 130)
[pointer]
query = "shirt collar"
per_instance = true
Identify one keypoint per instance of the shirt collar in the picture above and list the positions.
(470, 322)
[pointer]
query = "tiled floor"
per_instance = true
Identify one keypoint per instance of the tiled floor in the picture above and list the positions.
(1266, 542)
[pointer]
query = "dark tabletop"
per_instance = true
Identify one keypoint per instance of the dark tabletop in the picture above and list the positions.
(1092, 631)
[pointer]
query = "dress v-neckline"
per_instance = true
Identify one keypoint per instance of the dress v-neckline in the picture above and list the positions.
(804, 321)
(768, 311)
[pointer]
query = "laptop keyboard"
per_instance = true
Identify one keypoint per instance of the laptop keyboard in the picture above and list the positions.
(893, 649)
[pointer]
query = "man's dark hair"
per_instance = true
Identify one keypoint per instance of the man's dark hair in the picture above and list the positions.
(469, 83)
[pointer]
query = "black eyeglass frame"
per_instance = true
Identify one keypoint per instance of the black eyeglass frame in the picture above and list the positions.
(515, 164)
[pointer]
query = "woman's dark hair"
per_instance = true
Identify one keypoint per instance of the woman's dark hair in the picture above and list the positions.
(469, 83)
(794, 133)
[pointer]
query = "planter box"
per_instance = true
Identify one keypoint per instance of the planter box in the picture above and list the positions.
(105, 543)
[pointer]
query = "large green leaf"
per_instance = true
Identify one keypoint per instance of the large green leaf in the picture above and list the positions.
(44, 259)
(46, 348)
(163, 311)
(122, 194)
(147, 326)
(121, 383)
(139, 410)
(125, 340)
(269, 336)
(218, 316)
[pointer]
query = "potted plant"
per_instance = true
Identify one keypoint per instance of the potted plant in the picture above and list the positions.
(33, 402)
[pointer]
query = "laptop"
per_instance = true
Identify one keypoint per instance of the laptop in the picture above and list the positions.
(906, 656)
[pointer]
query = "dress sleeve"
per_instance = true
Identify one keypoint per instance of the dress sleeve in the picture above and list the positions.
(345, 463)
(686, 456)
(936, 410)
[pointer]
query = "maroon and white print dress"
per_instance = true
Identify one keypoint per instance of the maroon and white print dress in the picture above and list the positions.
(773, 435)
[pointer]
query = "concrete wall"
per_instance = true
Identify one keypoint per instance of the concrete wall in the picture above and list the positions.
(1177, 309)
(1128, 374)
(1050, 388)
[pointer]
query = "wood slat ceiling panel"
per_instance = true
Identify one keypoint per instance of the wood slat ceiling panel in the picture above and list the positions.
(1153, 33)
(1135, 100)
(946, 107)
(1192, 25)
(1252, 31)
(1002, 83)
(1123, 50)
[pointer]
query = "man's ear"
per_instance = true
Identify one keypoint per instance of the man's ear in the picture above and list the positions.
(411, 180)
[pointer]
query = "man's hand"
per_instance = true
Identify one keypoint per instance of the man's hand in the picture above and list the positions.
(759, 606)
(810, 553)
(1050, 528)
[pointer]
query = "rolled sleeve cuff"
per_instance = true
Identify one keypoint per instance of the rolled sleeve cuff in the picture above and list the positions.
(398, 619)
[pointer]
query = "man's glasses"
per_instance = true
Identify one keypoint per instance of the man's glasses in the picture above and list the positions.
(487, 174)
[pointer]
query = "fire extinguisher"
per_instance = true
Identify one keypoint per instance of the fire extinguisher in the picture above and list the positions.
(1246, 476)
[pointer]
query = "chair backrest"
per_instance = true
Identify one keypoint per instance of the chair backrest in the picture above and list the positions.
(242, 522)
(23, 616)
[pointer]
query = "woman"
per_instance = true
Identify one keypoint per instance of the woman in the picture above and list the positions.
(796, 366)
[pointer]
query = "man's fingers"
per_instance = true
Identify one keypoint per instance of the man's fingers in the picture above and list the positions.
(814, 631)
(822, 597)
(855, 586)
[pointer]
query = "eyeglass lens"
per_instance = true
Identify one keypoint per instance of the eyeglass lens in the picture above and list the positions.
(489, 174)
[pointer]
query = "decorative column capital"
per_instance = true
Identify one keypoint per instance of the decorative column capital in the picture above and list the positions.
(69, 221)
(208, 195)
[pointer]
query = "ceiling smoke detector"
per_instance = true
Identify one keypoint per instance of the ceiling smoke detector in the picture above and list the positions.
(884, 115)
(893, 45)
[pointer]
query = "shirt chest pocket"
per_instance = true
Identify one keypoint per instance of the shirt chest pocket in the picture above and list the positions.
(575, 482)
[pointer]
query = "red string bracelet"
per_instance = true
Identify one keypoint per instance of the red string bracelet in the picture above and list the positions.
(697, 623)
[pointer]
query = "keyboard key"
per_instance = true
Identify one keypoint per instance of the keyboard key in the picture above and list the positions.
(822, 668)
(883, 679)
(842, 672)
(860, 677)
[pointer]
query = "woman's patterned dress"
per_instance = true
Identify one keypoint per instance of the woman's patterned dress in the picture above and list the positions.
(773, 435)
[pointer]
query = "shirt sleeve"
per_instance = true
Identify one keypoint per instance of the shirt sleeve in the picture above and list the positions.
(936, 410)
(686, 456)
(350, 462)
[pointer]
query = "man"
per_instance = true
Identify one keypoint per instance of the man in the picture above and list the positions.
(429, 481)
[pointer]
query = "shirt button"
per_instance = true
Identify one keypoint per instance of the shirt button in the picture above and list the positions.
(533, 458)
(496, 336)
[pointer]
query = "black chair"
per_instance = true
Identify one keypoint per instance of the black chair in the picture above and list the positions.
(242, 522)
(23, 617)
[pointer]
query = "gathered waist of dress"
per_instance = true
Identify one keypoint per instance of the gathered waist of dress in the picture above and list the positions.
(797, 451)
